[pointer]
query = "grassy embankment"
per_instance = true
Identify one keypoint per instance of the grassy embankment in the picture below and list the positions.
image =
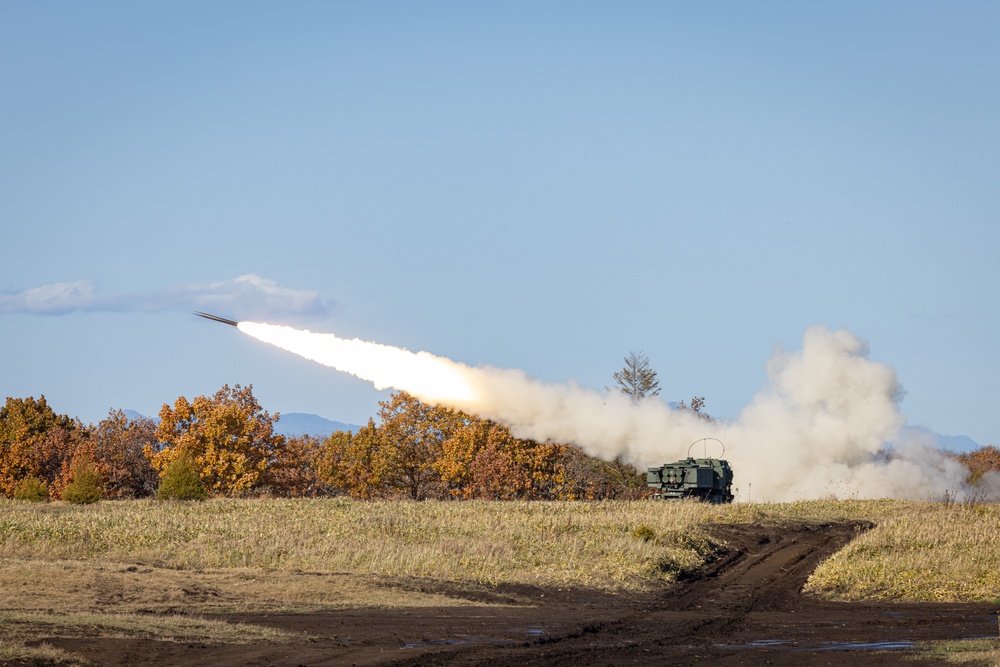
(931, 552)
(119, 559)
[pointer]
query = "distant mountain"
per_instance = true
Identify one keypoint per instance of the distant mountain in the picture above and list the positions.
(303, 423)
(951, 443)
(133, 415)
(290, 424)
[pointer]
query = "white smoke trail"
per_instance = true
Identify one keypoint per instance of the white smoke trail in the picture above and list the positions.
(819, 428)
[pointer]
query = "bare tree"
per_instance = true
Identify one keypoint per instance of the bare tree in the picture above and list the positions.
(637, 379)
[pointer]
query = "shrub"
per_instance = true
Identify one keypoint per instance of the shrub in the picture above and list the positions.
(180, 481)
(32, 489)
(84, 486)
(644, 533)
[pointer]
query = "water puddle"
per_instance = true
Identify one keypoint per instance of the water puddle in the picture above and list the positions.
(784, 644)
(861, 646)
(765, 643)
(442, 642)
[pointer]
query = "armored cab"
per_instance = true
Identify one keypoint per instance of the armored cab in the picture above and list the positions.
(706, 479)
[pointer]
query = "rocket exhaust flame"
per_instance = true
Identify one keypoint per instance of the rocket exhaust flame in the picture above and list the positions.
(430, 378)
(818, 429)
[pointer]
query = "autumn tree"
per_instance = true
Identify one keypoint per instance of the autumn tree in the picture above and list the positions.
(483, 459)
(590, 478)
(116, 449)
(332, 459)
(510, 468)
(981, 461)
(498, 471)
(423, 451)
(637, 379)
(579, 474)
(458, 452)
(412, 434)
(618, 480)
(34, 442)
(228, 436)
(52, 454)
(295, 473)
(351, 464)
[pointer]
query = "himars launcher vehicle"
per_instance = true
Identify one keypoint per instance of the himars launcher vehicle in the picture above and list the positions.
(706, 479)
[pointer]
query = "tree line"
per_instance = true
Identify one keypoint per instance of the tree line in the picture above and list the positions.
(416, 451)
(226, 445)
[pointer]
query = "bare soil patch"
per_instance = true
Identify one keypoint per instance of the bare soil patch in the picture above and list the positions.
(743, 608)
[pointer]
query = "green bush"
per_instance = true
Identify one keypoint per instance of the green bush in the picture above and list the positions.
(32, 489)
(644, 533)
(84, 486)
(180, 481)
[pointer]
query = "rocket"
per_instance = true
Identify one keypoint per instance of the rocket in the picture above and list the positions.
(216, 318)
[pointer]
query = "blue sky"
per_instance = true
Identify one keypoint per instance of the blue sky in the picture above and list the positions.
(544, 186)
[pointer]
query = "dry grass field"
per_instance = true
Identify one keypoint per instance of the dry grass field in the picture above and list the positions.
(129, 568)
(607, 545)
(930, 552)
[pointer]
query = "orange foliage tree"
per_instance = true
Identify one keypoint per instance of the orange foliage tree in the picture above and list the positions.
(34, 442)
(412, 433)
(983, 460)
(295, 473)
(351, 464)
(458, 453)
(417, 451)
(508, 468)
(229, 437)
(115, 449)
(422, 451)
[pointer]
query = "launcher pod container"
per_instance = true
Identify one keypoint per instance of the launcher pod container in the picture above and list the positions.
(707, 479)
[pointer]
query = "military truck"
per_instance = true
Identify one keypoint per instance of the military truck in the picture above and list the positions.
(707, 479)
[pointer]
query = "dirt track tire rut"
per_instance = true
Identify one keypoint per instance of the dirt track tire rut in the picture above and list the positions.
(743, 608)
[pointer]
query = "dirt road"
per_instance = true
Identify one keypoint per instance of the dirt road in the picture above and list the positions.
(743, 609)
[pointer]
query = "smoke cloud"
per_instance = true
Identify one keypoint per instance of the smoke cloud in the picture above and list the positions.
(818, 428)
(249, 294)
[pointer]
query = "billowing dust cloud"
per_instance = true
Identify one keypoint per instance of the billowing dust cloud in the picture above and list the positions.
(817, 429)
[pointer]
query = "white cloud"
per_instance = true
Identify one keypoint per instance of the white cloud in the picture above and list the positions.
(244, 297)
(58, 299)
(250, 297)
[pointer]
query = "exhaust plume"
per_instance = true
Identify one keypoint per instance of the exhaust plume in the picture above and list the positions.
(818, 428)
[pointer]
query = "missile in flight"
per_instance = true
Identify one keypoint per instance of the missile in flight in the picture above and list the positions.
(216, 318)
